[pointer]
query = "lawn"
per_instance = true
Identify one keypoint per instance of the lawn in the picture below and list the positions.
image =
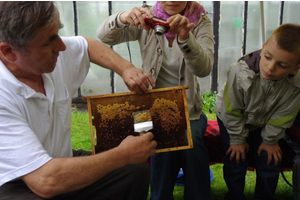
(80, 134)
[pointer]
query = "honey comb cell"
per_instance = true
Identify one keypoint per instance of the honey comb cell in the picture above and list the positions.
(112, 120)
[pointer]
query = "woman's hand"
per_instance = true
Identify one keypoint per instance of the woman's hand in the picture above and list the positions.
(180, 25)
(135, 17)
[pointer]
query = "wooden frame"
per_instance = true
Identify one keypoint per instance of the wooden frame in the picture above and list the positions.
(111, 118)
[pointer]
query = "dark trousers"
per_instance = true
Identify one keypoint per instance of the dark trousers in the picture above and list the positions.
(194, 162)
(234, 174)
(295, 145)
(130, 182)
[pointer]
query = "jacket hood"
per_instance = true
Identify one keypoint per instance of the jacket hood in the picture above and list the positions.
(252, 60)
(295, 79)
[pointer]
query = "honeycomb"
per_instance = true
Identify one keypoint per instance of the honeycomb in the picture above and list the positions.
(112, 116)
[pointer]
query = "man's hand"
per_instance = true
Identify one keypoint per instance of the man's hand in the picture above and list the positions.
(137, 80)
(239, 151)
(272, 151)
(138, 149)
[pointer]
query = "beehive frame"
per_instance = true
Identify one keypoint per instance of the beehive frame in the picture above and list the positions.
(111, 114)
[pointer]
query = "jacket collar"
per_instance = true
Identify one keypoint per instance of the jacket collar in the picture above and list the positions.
(252, 60)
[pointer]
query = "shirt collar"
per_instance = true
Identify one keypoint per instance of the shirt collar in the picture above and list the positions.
(8, 80)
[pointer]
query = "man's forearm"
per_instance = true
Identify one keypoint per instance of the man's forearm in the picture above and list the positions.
(63, 175)
(104, 56)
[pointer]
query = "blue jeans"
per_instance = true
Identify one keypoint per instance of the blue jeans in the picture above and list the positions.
(195, 165)
(234, 174)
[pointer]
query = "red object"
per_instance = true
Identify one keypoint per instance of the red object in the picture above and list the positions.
(159, 25)
(213, 142)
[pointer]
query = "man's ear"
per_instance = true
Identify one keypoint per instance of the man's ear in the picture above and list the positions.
(7, 52)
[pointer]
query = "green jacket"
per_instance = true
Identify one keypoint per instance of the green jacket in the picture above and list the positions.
(247, 101)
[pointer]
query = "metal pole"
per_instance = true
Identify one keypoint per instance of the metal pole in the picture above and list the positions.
(281, 12)
(216, 21)
(262, 17)
(245, 27)
(112, 73)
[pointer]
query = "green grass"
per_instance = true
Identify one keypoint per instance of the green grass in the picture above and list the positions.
(80, 133)
(219, 189)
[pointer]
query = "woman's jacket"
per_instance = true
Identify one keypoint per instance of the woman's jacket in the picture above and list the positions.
(196, 59)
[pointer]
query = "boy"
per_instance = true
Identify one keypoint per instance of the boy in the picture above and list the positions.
(257, 103)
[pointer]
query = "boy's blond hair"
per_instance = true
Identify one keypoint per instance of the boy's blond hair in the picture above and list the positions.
(287, 37)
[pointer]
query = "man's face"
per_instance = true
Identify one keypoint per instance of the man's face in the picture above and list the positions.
(42, 52)
(275, 63)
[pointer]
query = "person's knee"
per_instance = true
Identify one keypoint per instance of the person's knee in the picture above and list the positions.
(17, 190)
(262, 161)
(297, 160)
(141, 172)
(144, 168)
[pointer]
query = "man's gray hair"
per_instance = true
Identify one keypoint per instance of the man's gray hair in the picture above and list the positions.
(20, 20)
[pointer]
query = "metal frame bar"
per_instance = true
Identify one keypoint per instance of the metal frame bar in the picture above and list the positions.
(216, 21)
(281, 12)
(112, 73)
(245, 27)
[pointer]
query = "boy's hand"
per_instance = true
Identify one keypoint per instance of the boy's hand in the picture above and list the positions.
(272, 151)
(239, 151)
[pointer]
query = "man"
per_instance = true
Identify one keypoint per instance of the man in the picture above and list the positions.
(39, 73)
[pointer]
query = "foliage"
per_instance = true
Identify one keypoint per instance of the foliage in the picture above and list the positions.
(209, 102)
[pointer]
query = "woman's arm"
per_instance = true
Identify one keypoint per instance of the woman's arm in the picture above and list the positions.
(111, 32)
(198, 51)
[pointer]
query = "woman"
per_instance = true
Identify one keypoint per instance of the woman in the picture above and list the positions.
(176, 58)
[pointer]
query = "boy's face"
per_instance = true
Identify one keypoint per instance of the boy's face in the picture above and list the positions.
(275, 63)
